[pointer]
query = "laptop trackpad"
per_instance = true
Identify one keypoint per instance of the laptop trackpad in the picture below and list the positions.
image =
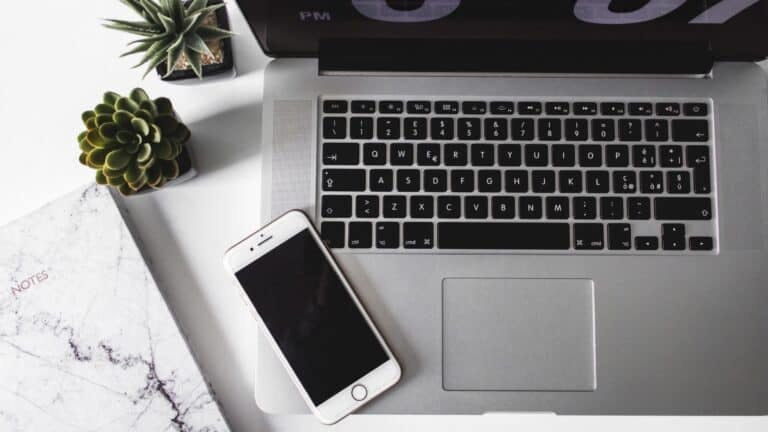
(519, 334)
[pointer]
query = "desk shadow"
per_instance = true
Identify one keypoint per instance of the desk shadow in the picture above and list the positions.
(226, 138)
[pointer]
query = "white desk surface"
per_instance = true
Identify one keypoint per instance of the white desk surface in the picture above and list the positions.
(57, 61)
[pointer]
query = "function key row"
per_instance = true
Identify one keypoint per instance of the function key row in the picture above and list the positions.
(664, 109)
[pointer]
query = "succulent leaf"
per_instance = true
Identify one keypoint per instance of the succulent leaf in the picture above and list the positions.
(138, 95)
(210, 33)
(139, 183)
(126, 104)
(150, 107)
(132, 148)
(116, 181)
(123, 119)
(170, 169)
(118, 159)
(140, 125)
(103, 118)
(195, 6)
(110, 98)
(97, 157)
(145, 115)
(156, 135)
(125, 190)
(95, 139)
(87, 115)
(108, 131)
(195, 61)
(82, 159)
(85, 146)
(104, 108)
(132, 174)
(90, 123)
(100, 177)
(167, 123)
(164, 106)
(164, 150)
(154, 175)
(144, 154)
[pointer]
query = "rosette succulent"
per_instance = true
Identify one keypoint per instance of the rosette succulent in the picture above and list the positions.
(133, 142)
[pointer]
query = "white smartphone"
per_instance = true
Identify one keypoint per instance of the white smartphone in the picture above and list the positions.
(315, 323)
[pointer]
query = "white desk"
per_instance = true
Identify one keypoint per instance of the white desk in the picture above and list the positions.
(57, 65)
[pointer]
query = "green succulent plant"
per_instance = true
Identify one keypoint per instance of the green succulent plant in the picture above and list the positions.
(170, 30)
(132, 142)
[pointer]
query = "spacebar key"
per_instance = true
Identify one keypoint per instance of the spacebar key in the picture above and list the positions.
(502, 236)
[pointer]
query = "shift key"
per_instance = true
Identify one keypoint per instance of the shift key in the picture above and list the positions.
(680, 209)
(344, 180)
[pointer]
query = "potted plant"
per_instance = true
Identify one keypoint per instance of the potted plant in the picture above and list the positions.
(180, 40)
(135, 144)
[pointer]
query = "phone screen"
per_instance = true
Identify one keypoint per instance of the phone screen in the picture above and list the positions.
(310, 314)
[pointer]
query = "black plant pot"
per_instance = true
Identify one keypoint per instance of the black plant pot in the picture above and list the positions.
(208, 70)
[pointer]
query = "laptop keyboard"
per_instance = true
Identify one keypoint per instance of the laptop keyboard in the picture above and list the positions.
(517, 175)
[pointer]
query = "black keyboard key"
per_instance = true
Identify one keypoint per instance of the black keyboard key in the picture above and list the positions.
(361, 127)
(536, 155)
(585, 108)
(550, 129)
(640, 109)
(374, 154)
(367, 206)
(334, 127)
(678, 182)
(387, 235)
(588, 236)
(473, 108)
(335, 107)
(651, 182)
(408, 180)
(401, 154)
(598, 182)
(584, 208)
(449, 207)
(522, 129)
(333, 234)
(502, 108)
(563, 155)
(557, 108)
(415, 128)
(364, 107)
(446, 107)
(529, 108)
(647, 243)
(381, 180)
(496, 129)
(388, 128)
(657, 130)
(442, 128)
(456, 154)
(671, 156)
(543, 181)
(673, 236)
(701, 243)
(476, 207)
(624, 182)
(394, 207)
(462, 181)
(697, 157)
(603, 130)
(503, 207)
(428, 154)
(422, 207)
(639, 208)
(418, 235)
(667, 109)
(612, 109)
(352, 180)
(482, 154)
(571, 182)
(617, 156)
(503, 236)
(590, 155)
(683, 209)
(619, 236)
(630, 130)
(557, 207)
(516, 181)
(391, 107)
(469, 128)
(435, 180)
(336, 206)
(419, 107)
(611, 208)
(360, 235)
(576, 130)
(696, 109)
(510, 155)
(530, 207)
(643, 156)
(489, 181)
(690, 130)
(335, 153)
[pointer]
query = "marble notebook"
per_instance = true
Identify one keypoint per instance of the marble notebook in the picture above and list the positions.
(86, 339)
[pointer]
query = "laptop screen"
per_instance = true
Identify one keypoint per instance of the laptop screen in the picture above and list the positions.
(736, 29)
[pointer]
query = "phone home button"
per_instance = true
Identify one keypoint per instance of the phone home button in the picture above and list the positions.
(359, 392)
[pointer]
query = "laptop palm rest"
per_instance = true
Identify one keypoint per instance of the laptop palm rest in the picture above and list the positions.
(519, 335)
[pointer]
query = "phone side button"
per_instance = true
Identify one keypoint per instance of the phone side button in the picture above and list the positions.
(359, 392)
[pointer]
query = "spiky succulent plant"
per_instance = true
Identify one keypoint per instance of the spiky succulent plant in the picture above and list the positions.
(133, 142)
(170, 30)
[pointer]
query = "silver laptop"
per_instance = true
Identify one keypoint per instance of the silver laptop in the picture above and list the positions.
(556, 207)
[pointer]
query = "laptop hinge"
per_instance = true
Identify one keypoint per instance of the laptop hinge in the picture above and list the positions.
(493, 56)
